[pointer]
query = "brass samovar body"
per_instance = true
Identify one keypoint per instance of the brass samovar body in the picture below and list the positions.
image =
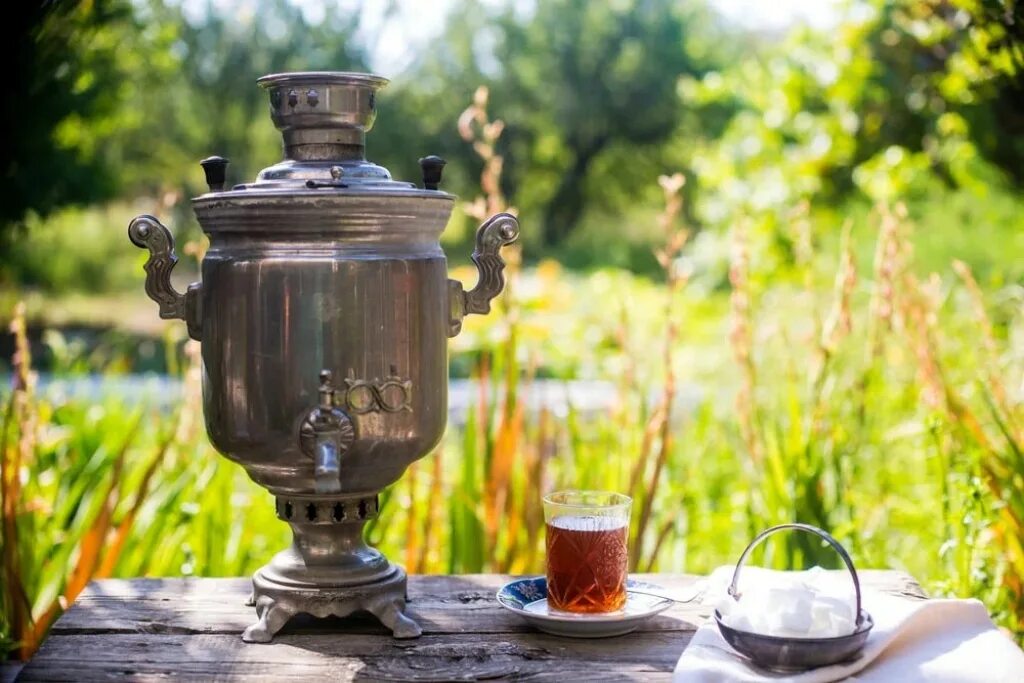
(323, 315)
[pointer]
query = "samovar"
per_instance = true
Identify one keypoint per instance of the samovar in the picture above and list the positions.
(323, 314)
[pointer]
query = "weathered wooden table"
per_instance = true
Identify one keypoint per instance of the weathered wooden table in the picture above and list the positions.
(189, 629)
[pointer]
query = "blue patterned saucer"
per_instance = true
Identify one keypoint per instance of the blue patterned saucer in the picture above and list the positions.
(528, 599)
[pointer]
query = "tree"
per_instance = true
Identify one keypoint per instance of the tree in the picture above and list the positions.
(116, 99)
(213, 105)
(897, 95)
(578, 78)
(66, 63)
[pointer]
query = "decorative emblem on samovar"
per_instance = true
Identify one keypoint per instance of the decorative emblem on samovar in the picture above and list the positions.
(323, 313)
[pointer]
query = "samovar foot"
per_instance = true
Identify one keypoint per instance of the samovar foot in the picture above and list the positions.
(273, 616)
(251, 600)
(391, 613)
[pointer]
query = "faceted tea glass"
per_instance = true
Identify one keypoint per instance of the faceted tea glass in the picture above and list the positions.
(587, 561)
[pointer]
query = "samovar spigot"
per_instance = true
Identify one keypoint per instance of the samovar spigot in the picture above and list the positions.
(326, 435)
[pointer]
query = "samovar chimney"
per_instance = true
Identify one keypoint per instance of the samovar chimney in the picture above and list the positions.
(323, 116)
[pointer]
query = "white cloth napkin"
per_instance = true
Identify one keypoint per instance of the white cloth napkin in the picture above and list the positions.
(945, 641)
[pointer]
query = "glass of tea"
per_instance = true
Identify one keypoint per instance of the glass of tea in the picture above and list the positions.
(586, 543)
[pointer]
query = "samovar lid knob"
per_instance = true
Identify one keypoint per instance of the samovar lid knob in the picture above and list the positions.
(216, 170)
(432, 166)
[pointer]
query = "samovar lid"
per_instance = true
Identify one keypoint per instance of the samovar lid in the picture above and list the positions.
(323, 117)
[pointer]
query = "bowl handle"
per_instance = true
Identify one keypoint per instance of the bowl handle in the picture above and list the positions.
(836, 545)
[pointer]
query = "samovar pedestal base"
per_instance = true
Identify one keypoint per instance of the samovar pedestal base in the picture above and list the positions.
(276, 603)
(328, 570)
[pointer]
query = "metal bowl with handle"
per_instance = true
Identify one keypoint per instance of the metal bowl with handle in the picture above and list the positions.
(797, 654)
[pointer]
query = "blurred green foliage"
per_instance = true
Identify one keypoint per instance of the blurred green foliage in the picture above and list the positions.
(73, 250)
(911, 99)
(65, 109)
(865, 114)
(587, 90)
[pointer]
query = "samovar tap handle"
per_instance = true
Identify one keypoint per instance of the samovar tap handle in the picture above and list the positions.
(326, 435)
(147, 232)
(498, 231)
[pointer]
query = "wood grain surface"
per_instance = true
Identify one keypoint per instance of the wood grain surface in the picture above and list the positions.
(189, 629)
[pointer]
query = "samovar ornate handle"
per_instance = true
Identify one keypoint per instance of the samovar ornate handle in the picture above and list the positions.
(498, 231)
(147, 232)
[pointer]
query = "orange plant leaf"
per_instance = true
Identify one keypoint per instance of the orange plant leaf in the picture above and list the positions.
(106, 568)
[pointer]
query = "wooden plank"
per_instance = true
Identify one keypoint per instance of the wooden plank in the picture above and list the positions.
(442, 604)
(527, 656)
(146, 629)
(9, 671)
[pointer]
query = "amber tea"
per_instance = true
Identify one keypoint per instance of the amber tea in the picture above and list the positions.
(586, 565)
(586, 550)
